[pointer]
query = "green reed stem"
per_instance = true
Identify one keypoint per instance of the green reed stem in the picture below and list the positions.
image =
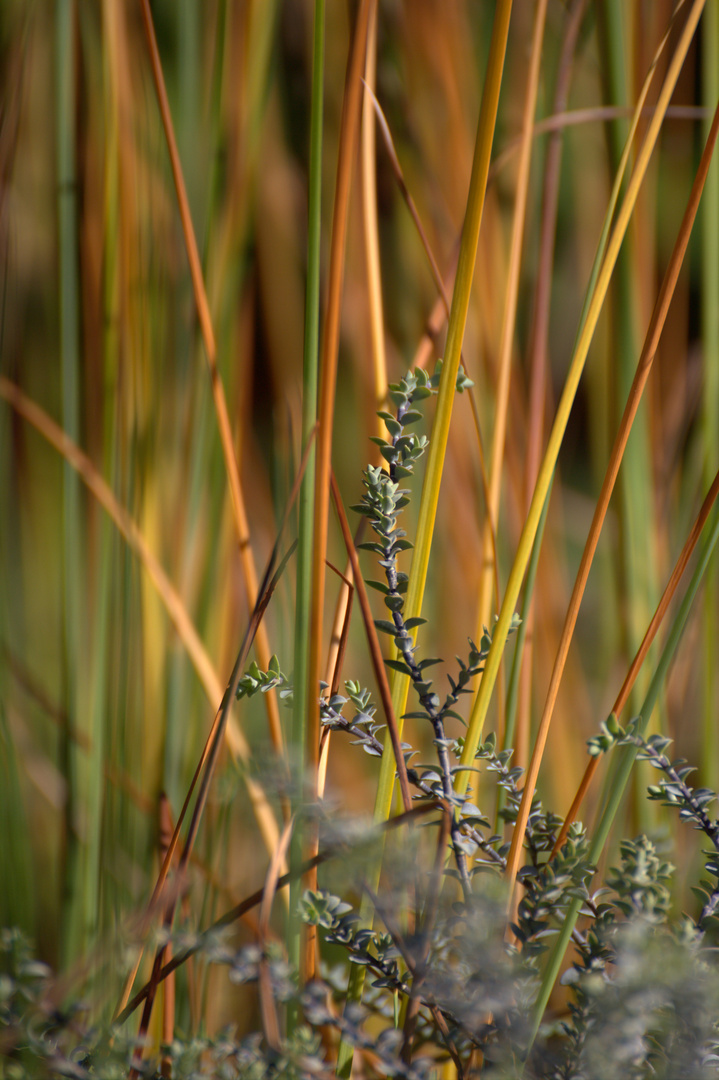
(709, 232)
(452, 354)
(18, 898)
(440, 432)
(635, 486)
(576, 367)
(78, 907)
(513, 691)
(306, 497)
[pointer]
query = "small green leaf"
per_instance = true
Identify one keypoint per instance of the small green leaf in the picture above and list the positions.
(391, 422)
(398, 665)
(411, 416)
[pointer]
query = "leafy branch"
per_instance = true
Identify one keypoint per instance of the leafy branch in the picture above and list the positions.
(673, 791)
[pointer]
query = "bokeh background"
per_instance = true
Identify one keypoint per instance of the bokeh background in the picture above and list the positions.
(101, 707)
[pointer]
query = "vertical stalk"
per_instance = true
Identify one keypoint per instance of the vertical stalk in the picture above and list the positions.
(18, 899)
(180, 736)
(440, 428)
(309, 419)
(326, 403)
(237, 499)
(452, 354)
(519, 648)
(509, 315)
(709, 758)
(644, 366)
(104, 638)
(193, 140)
(189, 40)
(635, 484)
(371, 226)
(588, 325)
(74, 914)
(376, 320)
(520, 697)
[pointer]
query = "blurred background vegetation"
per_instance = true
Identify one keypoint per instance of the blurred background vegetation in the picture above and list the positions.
(101, 705)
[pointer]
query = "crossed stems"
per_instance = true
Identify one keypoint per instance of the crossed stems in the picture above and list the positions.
(333, 718)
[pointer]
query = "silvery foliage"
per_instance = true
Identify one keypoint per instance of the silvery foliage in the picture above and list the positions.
(631, 1012)
(643, 987)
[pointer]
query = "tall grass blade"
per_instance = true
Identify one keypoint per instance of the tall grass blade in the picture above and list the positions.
(207, 764)
(486, 687)
(218, 393)
(452, 356)
(328, 378)
(17, 906)
(440, 428)
(78, 915)
(635, 503)
(169, 596)
(651, 343)
(504, 360)
(709, 757)
(309, 420)
(538, 359)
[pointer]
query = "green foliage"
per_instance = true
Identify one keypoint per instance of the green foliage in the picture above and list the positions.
(643, 985)
(255, 681)
(644, 989)
(117, 629)
(475, 989)
(673, 791)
